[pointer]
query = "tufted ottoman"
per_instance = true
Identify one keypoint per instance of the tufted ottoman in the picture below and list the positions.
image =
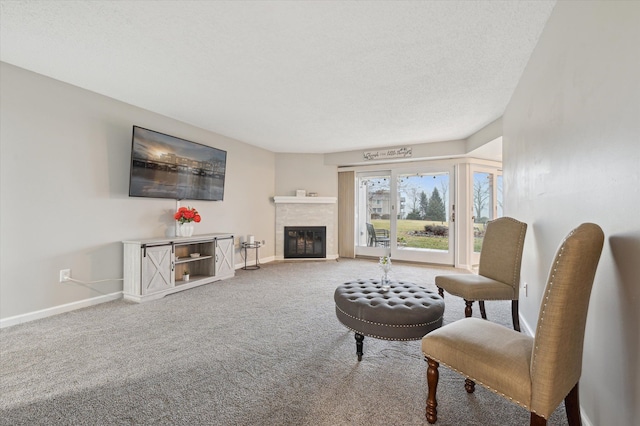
(404, 312)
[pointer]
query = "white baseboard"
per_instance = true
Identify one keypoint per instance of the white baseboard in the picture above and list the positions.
(268, 259)
(525, 326)
(585, 419)
(55, 310)
(462, 266)
(44, 313)
(252, 262)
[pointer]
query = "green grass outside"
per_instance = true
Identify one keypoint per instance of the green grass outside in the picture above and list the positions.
(412, 241)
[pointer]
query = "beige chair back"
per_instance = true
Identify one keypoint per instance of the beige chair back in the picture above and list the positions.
(556, 362)
(501, 254)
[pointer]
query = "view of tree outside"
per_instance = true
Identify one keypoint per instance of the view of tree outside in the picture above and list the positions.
(482, 194)
(417, 189)
(421, 212)
(436, 210)
(424, 204)
(483, 204)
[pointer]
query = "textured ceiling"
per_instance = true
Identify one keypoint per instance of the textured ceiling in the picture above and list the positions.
(306, 77)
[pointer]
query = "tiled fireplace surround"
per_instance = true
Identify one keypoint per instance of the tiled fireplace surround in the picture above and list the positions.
(306, 211)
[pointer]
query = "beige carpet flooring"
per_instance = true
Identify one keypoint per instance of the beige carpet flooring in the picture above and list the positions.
(263, 348)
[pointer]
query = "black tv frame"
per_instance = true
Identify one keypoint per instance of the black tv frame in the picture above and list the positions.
(165, 166)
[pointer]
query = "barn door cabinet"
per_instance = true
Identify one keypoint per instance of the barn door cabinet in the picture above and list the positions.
(156, 267)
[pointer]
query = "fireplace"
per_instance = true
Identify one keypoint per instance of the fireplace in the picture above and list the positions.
(306, 212)
(303, 242)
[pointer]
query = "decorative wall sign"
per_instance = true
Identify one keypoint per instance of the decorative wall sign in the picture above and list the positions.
(383, 154)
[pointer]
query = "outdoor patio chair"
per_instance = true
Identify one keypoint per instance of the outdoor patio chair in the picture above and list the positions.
(375, 238)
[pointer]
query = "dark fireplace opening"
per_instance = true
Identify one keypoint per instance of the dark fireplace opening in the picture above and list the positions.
(305, 242)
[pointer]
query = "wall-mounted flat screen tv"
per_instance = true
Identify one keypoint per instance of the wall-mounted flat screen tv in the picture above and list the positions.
(164, 166)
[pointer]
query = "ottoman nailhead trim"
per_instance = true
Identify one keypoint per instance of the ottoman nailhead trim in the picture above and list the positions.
(383, 338)
(390, 325)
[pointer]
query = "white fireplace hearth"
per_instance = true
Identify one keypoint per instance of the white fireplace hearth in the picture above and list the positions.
(307, 211)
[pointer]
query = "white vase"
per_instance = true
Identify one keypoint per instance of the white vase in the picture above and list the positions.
(185, 229)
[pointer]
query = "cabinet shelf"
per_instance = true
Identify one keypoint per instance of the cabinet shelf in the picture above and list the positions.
(191, 259)
(193, 279)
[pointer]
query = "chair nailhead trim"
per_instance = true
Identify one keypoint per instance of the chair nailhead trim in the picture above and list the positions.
(544, 304)
(479, 300)
(481, 383)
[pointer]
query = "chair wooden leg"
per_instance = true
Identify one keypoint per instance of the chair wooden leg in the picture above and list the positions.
(467, 308)
(440, 292)
(514, 315)
(483, 313)
(572, 407)
(432, 381)
(536, 420)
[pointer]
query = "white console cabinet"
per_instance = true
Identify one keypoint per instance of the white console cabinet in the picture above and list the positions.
(156, 267)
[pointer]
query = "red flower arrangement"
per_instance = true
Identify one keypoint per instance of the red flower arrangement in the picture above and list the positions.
(187, 214)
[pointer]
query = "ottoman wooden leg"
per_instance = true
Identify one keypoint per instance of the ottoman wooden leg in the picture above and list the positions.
(359, 340)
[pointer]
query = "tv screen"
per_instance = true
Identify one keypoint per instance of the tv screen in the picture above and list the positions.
(164, 166)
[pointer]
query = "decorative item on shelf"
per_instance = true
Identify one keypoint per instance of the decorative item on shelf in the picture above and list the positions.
(185, 275)
(312, 194)
(185, 216)
(195, 255)
(385, 265)
(301, 193)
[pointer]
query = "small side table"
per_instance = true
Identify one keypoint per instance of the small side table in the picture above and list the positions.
(255, 246)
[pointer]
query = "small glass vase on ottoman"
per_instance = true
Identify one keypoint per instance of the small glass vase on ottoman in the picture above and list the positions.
(385, 265)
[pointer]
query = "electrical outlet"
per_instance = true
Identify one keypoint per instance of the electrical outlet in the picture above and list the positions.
(264, 242)
(65, 274)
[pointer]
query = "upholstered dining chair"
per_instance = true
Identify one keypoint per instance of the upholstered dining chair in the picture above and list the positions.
(498, 275)
(533, 372)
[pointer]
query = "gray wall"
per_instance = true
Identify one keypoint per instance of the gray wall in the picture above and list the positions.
(308, 172)
(65, 156)
(572, 155)
(305, 171)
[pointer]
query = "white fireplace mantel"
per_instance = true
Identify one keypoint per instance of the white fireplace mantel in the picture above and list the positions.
(304, 200)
